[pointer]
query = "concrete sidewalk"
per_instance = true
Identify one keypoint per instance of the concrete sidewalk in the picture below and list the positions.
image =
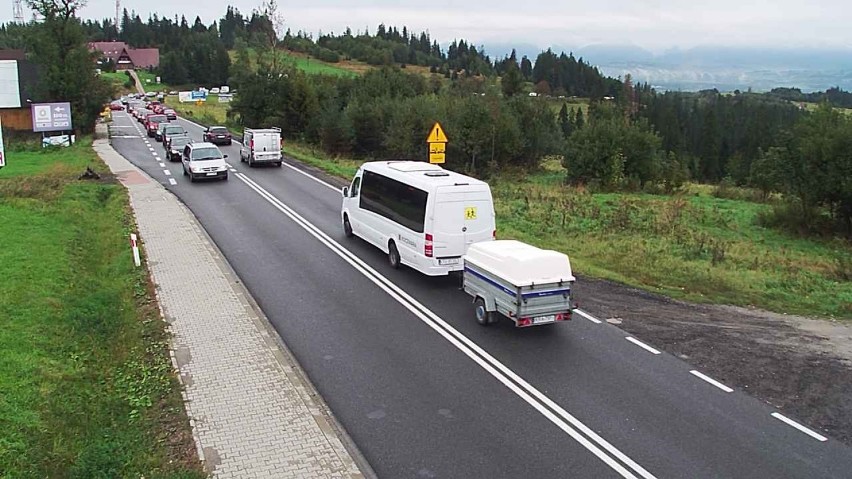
(253, 413)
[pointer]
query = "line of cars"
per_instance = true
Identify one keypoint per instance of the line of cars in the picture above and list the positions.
(204, 160)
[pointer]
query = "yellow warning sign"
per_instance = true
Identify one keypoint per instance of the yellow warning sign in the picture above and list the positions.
(437, 158)
(470, 213)
(437, 134)
(437, 148)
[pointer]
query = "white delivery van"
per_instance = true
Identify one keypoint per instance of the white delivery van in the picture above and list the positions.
(420, 214)
(261, 145)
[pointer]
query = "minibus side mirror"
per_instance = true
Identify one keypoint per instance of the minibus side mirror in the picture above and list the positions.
(345, 191)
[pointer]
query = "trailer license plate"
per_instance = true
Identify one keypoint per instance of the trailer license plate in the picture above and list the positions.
(448, 261)
(544, 319)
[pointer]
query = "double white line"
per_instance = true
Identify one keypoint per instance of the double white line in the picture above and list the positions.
(581, 433)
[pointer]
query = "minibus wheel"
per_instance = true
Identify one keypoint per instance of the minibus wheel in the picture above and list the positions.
(393, 255)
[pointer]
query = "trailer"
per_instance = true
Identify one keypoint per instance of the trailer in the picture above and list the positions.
(526, 284)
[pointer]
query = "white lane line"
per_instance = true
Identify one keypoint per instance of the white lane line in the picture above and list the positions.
(312, 177)
(172, 181)
(588, 316)
(711, 381)
(541, 403)
(818, 437)
(642, 345)
(167, 172)
(162, 165)
(234, 170)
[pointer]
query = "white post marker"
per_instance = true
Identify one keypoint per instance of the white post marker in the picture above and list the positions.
(135, 247)
(2, 148)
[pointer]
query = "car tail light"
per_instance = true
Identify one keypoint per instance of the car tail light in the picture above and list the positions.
(494, 234)
(251, 144)
(427, 246)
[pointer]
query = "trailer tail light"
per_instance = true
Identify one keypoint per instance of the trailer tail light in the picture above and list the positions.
(524, 322)
(427, 246)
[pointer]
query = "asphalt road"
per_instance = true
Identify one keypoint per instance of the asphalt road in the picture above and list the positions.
(426, 392)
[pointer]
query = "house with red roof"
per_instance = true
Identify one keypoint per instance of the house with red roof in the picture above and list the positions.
(127, 58)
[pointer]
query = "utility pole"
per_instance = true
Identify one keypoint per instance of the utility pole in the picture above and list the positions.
(18, 11)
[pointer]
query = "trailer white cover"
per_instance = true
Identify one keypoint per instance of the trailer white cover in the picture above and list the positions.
(519, 263)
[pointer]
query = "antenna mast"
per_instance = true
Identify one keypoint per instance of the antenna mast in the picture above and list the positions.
(18, 11)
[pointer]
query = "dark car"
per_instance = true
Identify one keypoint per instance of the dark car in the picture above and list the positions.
(171, 130)
(174, 150)
(170, 114)
(218, 135)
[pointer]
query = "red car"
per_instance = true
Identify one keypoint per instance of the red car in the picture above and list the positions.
(116, 105)
(151, 122)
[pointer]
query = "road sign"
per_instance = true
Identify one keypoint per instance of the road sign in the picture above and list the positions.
(437, 152)
(437, 144)
(437, 135)
(2, 148)
(51, 116)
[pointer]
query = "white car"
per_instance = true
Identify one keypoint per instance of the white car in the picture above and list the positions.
(214, 91)
(204, 161)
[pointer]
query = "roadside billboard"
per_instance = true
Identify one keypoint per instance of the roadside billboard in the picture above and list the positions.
(51, 116)
(226, 98)
(185, 96)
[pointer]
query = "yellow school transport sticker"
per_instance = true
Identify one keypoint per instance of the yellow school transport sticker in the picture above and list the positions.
(470, 213)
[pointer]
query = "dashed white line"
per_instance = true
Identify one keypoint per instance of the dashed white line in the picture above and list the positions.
(172, 181)
(162, 165)
(167, 172)
(711, 381)
(151, 148)
(642, 345)
(588, 316)
(234, 170)
(818, 437)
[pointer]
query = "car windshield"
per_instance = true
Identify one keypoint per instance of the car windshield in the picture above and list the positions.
(179, 142)
(157, 118)
(174, 130)
(201, 154)
(218, 130)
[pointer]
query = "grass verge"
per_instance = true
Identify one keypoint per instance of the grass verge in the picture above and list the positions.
(87, 386)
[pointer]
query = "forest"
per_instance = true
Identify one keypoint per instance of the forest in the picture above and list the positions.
(620, 137)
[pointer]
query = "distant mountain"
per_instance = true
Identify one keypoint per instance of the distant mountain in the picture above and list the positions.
(705, 67)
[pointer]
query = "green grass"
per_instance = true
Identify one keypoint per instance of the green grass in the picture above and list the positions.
(312, 66)
(86, 386)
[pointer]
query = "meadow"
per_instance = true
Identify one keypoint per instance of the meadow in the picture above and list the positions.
(88, 387)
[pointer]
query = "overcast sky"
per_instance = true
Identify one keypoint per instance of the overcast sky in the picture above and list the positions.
(652, 24)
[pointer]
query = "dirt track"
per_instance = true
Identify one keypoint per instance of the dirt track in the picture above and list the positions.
(799, 365)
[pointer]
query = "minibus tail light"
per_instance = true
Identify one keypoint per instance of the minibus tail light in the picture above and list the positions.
(427, 246)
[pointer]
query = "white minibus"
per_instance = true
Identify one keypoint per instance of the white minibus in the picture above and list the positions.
(418, 213)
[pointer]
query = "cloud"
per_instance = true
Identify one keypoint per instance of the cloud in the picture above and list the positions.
(653, 24)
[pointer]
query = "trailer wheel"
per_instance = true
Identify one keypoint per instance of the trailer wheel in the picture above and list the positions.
(483, 317)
